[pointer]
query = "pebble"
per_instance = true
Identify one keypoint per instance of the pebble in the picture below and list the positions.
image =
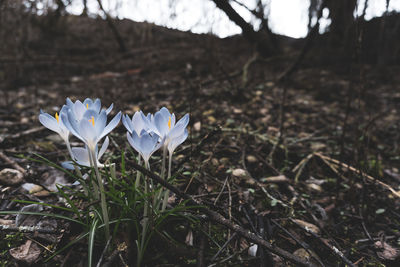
(10, 176)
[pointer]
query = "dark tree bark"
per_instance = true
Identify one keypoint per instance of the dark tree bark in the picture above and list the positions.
(114, 30)
(85, 9)
(341, 13)
(257, 38)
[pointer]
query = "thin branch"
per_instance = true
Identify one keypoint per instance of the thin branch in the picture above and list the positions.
(308, 44)
(218, 218)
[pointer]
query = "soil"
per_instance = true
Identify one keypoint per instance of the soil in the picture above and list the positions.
(317, 151)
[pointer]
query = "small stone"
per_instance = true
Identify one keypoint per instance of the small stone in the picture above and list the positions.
(240, 173)
(251, 159)
(315, 187)
(237, 111)
(32, 188)
(42, 193)
(197, 126)
(10, 176)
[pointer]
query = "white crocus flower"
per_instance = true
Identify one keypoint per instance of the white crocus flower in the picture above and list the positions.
(175, 134)
(79, 108)
(138, 122)
(56, 124)
(92, 127)
(145, 143)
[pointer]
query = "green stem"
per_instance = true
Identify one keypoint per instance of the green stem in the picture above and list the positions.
(166, 194)
(69, 149)
(103, 203)
(138, 173)
(145, 218)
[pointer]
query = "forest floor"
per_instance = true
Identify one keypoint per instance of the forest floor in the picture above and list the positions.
(314, 161)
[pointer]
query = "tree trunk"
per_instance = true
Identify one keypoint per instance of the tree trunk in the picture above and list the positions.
(257, 38)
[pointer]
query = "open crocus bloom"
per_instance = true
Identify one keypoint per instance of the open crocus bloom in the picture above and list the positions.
(145, 144)
(91, 128)
(79, 108)
(55, 123)
(174, 134)
(81, 156)
(138, 122)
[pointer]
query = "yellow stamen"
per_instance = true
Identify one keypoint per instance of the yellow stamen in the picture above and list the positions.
(57, 118)
(169, 123)
(92, 120)
(87, 105)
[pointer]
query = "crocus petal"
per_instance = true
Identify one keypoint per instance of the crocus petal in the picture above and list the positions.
(165, 113)
(68, 165)
(174, 143)
(138, 123)
(87, 132)
(109, 109)
(70, 104)
(104, 147)
(161, 123)
(81, 155)
(133, 142)
(127, 123)
(179, 127)
(100, 123)
(49, 122)
(96, 105)
(78, 109)
(113, 123)
(71, 125)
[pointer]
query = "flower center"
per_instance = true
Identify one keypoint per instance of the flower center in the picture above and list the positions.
(92, 120)
(87, 106)
(57, 118)
(169, 123)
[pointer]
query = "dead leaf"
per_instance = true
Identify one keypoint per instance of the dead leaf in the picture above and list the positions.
(308, 226)
(275, 179)
(28, 252)
(30, 220)
(387, 251)
(189, 238)
(253, 250)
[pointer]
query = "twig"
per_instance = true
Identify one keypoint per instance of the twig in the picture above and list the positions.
(281, 124)
(308, 44)
(223, 247)
(199, 146)
(301, 243)
(103, 253)
(200, 253)
(344, 165)
(28, 229)
(335, 250)
(218, 218)
(12, 162)
(22, 134)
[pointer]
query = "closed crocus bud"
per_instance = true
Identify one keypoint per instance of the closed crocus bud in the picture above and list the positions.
(138, 122)
(145, 143)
